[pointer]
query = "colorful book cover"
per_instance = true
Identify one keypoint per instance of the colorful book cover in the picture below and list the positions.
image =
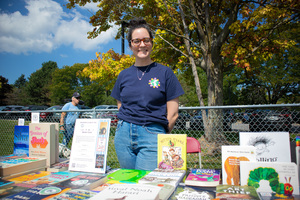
(75, 194)
(14, 189)
(236, 192)
(129, 192)
(171, 151)
(58, 167)
(203, 177)
(231, 157)
(278, 177)
(190, 192)
(166, 190)
(270, 146)
(126, 176)
(5, 182)
(53, 178)
(30, 176)
(21, 140)
(12, 156)
(39, 192)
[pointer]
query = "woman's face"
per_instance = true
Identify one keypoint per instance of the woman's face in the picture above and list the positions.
(142, 50)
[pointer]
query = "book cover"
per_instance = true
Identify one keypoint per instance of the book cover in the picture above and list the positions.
(14, 189)
(30, 176)
(236, 192)
(39, 192)
(60, 166)
(53, 178)
(33, 170)
(231, 157)
(21, 140)
(89, 145)
(166, 190)
(279, 177)
(128, 192)
(164, 176)
(75, 194)
(5, 182)
(171, 151)
(203, 177)
(126, 176)
(42, 141)
(18, 165)
(270, 146)
(12, 156)
(184, 192)
(84, 181)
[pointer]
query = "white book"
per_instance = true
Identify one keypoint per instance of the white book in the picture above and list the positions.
(231, 157)
(270, 146)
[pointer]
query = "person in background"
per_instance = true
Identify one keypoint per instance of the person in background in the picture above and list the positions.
(147, 95)
(67, 119)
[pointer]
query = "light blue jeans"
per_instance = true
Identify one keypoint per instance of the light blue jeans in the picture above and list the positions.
(68, 134)
(136, 145)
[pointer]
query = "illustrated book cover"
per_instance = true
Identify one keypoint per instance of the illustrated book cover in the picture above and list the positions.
(5, 182)
(75, 194)
(30, 176)
(18, 165)
(129, 192)
(270, 146)
(166, 190)
(164, 176)
(171, 151)
(126, 176)
(21, 140)
(231, 157)
(14, 189)
(53, 178)
(278, 177)
(236, 192)
(184, 192)
(89, 145)
(42, 141)
(12, 156)
(203, 177)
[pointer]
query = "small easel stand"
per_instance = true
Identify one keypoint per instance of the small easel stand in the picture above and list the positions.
(298, 155)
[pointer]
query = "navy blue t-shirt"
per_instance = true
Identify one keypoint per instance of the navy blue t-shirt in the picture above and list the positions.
(145, 101)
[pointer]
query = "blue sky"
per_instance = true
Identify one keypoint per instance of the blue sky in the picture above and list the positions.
(36, 31)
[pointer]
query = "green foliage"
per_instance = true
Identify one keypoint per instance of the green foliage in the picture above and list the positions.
(20, 82)
(5, 89)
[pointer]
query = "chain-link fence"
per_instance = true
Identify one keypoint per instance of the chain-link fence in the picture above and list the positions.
(211, 126)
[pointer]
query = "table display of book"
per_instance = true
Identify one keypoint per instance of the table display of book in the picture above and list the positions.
(203, 177)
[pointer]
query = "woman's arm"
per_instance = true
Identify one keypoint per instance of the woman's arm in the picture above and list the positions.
(172, 112)
(119, 104)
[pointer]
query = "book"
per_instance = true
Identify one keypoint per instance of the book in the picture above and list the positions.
(231, 157)
(75, 194)
(203, 177)
(60, 166)
(33, 170)
(270, 146)
(5, 182)
(166, 190)
(53, 178)
(228, 192)
(171, 151)
(42, 141)
(126, 176)
(14, 189)
(84, 181)
(29, 176)
(12, 156)
(164, 176)
(21, 140)
(278, 177)
(129, 192)
(90, 145)
(13, 166)
(184, 192)
(39, 192)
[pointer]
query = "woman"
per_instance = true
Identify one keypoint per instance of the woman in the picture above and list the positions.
(147, 95)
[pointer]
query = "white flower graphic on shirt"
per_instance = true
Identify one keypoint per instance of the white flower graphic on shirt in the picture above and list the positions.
(154, 82)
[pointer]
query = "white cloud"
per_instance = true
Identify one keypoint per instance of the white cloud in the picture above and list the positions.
(46, 27)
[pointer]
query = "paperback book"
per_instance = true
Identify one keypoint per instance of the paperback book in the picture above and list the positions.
(126, 176)
(53, 178)
(171, 151)
(58, 167)
(203, 177)
(75, 194)
(229, 192)
(5, 182)
(30, 176)
(184, 192)
(166, 190)
(14, 189)
(21, 140)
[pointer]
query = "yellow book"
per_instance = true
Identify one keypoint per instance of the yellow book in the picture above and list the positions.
(171, 150)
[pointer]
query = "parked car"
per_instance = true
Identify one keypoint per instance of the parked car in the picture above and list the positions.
(104, 109)
(27, 115)
(12, 115)
(51, 116)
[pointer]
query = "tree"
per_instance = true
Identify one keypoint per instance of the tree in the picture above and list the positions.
(214, 35)
(5, 89)
(20, 82)
(37, 88)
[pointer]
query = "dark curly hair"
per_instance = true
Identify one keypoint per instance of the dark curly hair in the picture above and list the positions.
(137, 23)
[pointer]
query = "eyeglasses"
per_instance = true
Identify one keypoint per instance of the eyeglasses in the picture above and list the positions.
(137, 42)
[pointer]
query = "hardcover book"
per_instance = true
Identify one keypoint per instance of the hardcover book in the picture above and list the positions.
(129, 192)
(279, 177)
(203, 177)
(236, 192)
(21, 140)
(126, 176)
(270, 146)
(53, 178)
(18, 165)
(231, 157)
(89, 145)
(30, 176)
(171, 150)
(14, 189)
(183, 192)
(164, 176)
(42, 141)
(75, 194)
